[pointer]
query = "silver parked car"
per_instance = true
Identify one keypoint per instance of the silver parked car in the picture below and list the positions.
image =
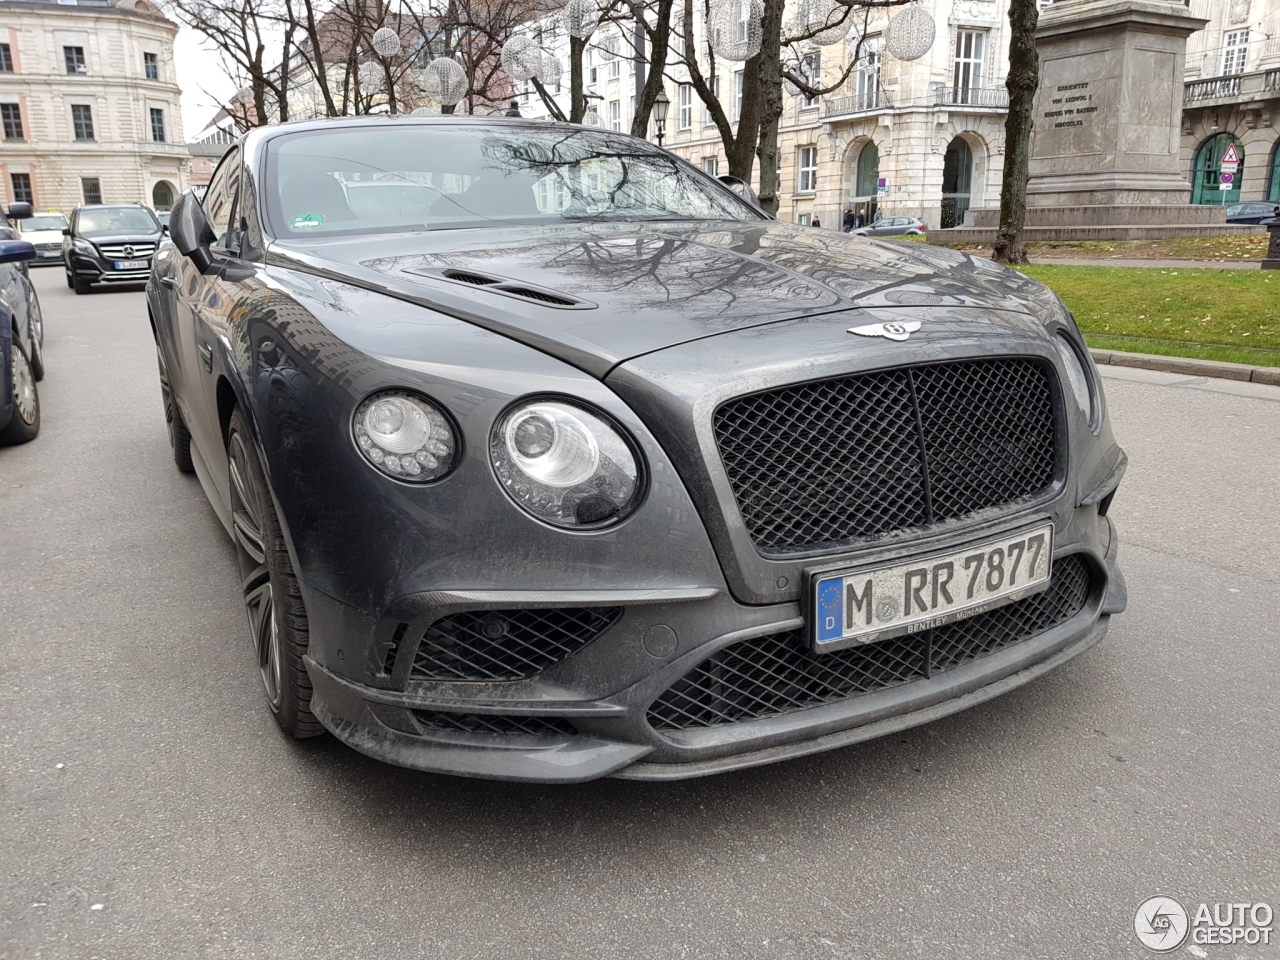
(892, 227)
(547, 457)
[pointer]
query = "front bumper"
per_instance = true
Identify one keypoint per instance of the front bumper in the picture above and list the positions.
(95, 270)
(610, 732)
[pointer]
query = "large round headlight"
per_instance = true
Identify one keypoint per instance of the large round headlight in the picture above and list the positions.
(565, 464)
(1077, 377)
(404, 436)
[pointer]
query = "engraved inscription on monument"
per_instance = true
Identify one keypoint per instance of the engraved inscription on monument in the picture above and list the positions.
(1071, 110)
(1071, 106)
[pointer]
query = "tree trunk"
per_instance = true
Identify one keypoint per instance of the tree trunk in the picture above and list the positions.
(577, 98)
(771, 104)
(1023, 80)
(656, 65)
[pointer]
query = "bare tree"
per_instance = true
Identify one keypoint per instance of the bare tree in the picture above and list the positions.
(1023, 79)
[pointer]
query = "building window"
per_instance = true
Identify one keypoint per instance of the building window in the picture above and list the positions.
(615, 68)
(967, 77)
(157, 125)
(685, 119)
(92, 188)
(74, 57)
(82, 121)
(711, 166)
(615, 114)
(22, 188)
(11, 114)
(151, 65)
(867, 89)
(811, 71)
(1235, 48)
(807, 168)
(802, 219)
(737, 96)
(6, 59)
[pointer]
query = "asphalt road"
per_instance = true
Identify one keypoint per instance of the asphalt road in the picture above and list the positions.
(149, 808)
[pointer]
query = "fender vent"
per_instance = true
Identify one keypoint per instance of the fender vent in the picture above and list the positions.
(474, 279)
(539, 296)
(510, 288)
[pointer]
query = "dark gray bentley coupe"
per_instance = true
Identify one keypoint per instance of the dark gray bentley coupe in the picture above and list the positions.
(548, 457)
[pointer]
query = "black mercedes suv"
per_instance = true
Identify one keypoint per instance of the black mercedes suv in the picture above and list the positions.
(109, 243)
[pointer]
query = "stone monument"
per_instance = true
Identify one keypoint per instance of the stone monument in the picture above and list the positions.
(1108, 114)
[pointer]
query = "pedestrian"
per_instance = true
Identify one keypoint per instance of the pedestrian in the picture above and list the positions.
(849, 220)
(513, 110)
(860, 220)
(879, 214)
(817, 222)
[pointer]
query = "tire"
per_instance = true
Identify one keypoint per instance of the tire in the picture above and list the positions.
(71, 284)
(179, 435)
(24, 425)
(37, 359)
(81, 287)
(273, 602)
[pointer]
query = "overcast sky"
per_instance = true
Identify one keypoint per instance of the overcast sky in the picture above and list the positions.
(205, 85)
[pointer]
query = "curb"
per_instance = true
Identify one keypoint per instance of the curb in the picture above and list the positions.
(1192, 368)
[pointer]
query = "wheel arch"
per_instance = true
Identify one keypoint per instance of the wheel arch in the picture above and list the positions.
(227, 402)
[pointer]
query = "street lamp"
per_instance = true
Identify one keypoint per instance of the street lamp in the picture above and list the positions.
(660, 106)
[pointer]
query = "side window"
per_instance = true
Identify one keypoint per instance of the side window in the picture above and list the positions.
(220, 200)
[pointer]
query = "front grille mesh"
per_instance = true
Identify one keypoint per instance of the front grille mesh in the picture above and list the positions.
(502, 725)
(853, 458)
(780, 673)
(507, 644)
(116, 251)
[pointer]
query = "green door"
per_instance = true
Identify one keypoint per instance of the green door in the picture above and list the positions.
(1207, 174)
(1273, 181)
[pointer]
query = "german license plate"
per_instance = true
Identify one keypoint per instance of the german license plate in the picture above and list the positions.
(864, 606)
(132, 264)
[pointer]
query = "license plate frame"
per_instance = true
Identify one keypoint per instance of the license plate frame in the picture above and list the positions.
(132, 264)
(891, 611)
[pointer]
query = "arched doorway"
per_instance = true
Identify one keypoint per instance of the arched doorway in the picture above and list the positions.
(1273, 181)
(162, 195)
(1206, 175)
(957, 181)
(866, 191)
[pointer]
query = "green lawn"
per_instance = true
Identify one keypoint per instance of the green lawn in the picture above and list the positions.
(1231, 315)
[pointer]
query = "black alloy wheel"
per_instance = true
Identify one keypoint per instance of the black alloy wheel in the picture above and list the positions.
(24, 425)
(272, 600)
(179, 435)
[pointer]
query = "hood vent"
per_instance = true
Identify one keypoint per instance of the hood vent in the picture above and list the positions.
(510, 288)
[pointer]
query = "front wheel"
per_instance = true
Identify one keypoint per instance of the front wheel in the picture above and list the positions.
(24, 425)
(272, 600)
(81, 286)
(179, 435)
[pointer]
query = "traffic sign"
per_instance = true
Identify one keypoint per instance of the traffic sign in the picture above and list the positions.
(1231, 156)
(1226, 179)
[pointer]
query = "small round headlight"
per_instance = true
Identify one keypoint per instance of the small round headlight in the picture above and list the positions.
(404, 436)
(564, 464)
(1077, 377)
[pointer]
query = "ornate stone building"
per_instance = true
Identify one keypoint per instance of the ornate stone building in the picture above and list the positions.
(89, 104)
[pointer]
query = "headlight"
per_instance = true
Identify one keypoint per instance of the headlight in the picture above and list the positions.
(405, 436)
(85, 247)
(564, 464)
(1077, 378)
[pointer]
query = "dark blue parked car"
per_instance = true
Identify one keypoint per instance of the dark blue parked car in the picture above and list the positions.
(21, 337)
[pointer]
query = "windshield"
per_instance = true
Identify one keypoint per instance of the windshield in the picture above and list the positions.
(106, 221)
(43, 222)
(436, 176)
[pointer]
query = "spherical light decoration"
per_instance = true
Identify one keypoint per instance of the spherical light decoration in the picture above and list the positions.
(592, 119)
(910, 33)
(550, 71)
(386, 42)
(521, 58)
(821, 22)
(371, 77)
(734, 30)
(425, 112)
(580, 18)
(608, 48)
(444, 81)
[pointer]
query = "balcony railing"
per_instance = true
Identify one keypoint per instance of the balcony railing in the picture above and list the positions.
(861, 103)
(1219, 88)
(971, 97)
(1271, 81)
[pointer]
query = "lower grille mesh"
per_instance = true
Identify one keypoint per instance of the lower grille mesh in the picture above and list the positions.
(779, 673)
(507, 644)
(505, 725)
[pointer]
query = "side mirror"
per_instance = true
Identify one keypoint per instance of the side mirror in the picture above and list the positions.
(742, 189)
(20, 211)
(66, 231)
(191, 232)
(15, 251)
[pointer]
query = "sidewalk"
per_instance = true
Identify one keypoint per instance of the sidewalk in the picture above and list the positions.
(1161, 264)
(1192, 368)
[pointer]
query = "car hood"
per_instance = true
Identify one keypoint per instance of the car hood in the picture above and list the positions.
(630, 289)
(113, 238)
(42, 236)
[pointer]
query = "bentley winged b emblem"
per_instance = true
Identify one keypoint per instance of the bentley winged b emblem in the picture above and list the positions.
(890, 331)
